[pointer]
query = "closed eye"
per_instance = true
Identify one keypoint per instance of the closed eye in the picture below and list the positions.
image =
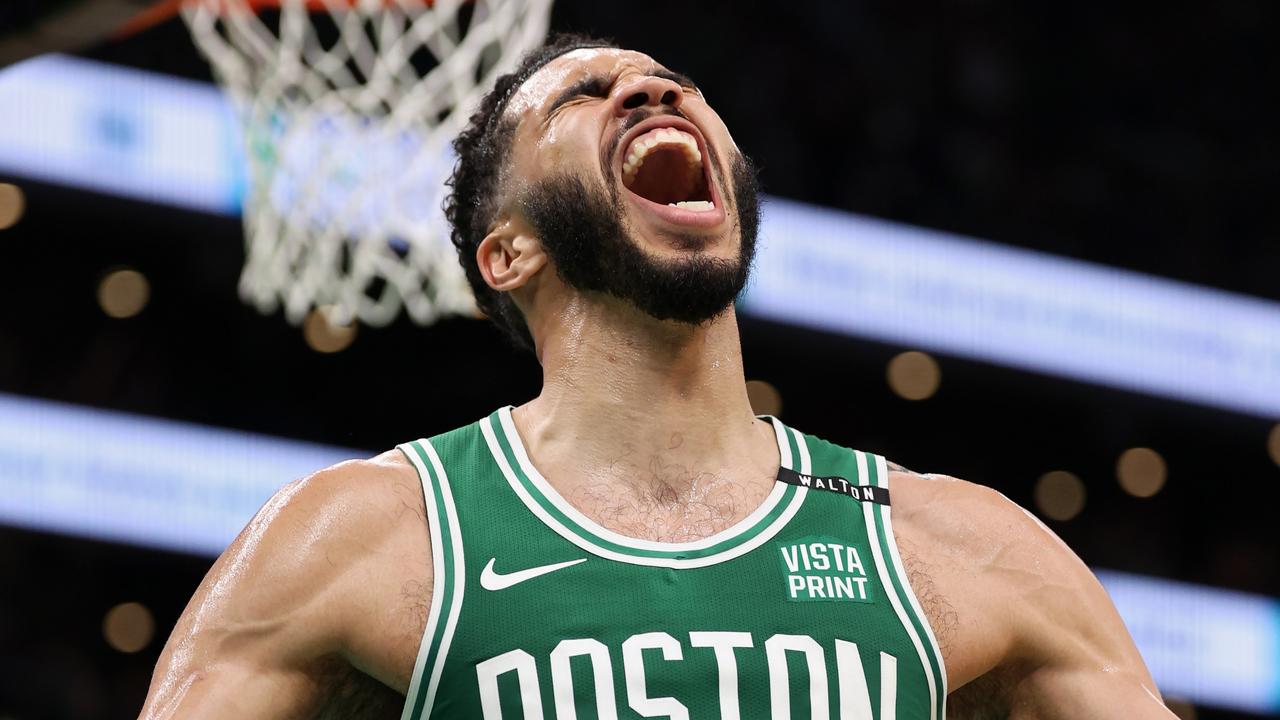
(594, 86)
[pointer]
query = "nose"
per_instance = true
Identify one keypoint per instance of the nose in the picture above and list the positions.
(646, 90)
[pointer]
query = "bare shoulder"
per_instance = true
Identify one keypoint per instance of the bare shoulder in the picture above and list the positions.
(321, 533)
(1031, 621)
(967, 521)
(369, 522)
(316, 535)
(357, 499)
(330, 576)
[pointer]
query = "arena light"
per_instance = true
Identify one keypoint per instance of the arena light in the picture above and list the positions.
(120, 131)
(840, 272)
(1207, 645)
(174, 141)
(159, 483)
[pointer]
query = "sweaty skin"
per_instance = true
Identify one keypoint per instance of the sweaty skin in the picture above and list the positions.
(318, 607)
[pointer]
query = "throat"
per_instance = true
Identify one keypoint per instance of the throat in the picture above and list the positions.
(633, 476)
(664, 501)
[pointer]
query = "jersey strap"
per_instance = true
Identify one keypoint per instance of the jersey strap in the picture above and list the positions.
(448, 579)
(893, 575)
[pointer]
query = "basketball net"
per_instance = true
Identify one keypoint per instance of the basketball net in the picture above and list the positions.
(348, 109)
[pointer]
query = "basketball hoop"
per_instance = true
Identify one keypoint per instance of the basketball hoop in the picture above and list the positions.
(348, 109)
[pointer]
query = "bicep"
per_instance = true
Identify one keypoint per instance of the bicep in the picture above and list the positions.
(1105, 693)
(1079, 658)
(1038, 637)
(231, 687)
(234, 646)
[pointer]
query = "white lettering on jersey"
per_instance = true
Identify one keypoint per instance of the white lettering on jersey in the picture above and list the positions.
(726, 664)
(487, 674)
(853, 701)
(776, 649)
(601, 671)
(633, 666)
(792, 558)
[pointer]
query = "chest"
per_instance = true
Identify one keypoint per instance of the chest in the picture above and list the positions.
(821, 583)
(803, 599)
(799, 603)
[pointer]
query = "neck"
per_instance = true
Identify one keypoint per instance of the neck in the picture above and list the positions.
(655, 406)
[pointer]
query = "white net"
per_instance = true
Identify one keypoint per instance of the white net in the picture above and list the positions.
(348, 108)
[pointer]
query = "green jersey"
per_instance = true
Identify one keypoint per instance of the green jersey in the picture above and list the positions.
(802, 609)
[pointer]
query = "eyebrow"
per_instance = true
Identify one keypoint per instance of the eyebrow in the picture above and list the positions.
(597, 83)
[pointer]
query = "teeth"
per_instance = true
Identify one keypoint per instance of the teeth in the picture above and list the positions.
(664, 136)
(694, 205)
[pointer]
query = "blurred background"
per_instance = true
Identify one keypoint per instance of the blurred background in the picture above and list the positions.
(1036, 247)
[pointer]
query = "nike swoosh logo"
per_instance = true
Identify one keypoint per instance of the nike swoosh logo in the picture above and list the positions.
(490, 580)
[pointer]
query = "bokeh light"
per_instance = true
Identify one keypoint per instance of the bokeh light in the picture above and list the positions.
(1060, 495)
(12, 204)
(128, 627)
(325, 334)
(914, 375)
(123, 293)
(765, 398)
(1141, 471)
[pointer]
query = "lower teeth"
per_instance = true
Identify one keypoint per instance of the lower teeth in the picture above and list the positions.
(695, 205)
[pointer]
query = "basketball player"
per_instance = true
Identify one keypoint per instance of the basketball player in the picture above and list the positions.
(634, 542)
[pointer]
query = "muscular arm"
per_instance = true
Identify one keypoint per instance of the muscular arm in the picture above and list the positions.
(307, 606)
(1037, 636)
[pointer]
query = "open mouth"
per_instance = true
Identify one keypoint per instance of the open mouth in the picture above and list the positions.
(665, 166)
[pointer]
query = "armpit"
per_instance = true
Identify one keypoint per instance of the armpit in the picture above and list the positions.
(940, 613)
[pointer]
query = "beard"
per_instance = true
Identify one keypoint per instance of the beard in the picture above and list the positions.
(581, 228)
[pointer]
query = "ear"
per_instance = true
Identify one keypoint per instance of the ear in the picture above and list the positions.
(509, 256)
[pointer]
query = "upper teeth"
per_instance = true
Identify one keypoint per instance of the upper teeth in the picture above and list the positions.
(670, 137)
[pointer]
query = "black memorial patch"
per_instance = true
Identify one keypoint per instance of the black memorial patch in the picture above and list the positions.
(835, 484)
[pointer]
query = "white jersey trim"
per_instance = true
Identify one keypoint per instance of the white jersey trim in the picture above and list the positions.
(883, 475)
(437, 584)
(882, 566)
(797, 500)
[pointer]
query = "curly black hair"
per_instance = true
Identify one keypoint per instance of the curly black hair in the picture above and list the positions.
(482, 149)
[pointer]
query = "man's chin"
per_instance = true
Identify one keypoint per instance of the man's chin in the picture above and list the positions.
(664, 243)
(677, 316)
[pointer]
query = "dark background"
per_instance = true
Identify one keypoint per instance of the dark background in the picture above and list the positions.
(1141, 137)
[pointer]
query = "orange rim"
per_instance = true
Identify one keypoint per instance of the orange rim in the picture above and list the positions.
(165, 10)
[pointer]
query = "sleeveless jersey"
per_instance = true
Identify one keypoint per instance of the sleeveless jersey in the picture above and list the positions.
(802, 609)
